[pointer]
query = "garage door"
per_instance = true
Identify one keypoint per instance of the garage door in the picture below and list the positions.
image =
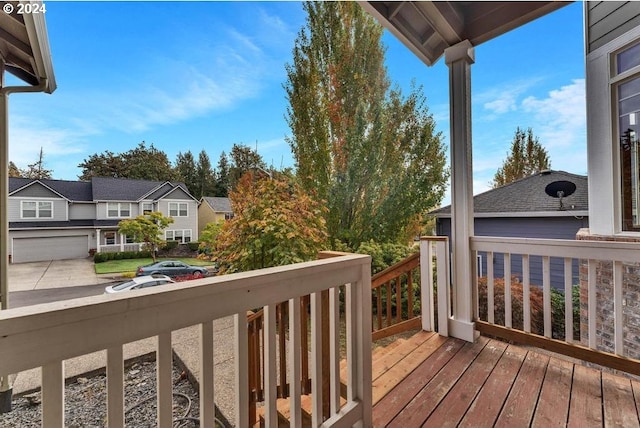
(55, 248)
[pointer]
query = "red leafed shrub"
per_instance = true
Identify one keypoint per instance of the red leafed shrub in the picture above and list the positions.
(188, 277)
(535, 295)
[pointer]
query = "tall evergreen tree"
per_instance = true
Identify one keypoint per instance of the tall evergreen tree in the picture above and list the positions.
(243, 159)
(371, 153)
(37, 169)
(222, 176)
(205, 177)
(185, 168)
(527, 156)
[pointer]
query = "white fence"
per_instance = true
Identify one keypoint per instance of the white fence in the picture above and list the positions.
(46, 335)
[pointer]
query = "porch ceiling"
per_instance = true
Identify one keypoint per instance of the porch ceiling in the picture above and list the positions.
(24, 45)
(429, 27)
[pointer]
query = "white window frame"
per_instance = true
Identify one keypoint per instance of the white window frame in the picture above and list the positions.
(145, 209)
(122, 208)
(106, 238)
(37, 210)
(616, 79)
(185, 235)
(175, 207)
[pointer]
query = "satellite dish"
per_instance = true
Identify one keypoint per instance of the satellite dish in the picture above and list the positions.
(560, 189)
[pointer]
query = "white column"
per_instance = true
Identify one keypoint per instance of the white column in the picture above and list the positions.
(459, 59)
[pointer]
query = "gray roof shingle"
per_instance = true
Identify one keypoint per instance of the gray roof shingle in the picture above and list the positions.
(218, 204)
(78, 191)
(527, 195)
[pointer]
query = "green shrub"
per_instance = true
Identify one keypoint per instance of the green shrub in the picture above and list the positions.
(170, 245)
(194, 246)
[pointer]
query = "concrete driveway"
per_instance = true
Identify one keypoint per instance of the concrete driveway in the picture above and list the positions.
(53, 274)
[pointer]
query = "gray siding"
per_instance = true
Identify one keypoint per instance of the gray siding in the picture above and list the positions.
(36, 190)
(82, 211)
(550, 228)
(607, 20)
(59, 209)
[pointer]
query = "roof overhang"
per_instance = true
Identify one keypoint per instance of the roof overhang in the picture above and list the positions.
(24, 45)
(427, 28)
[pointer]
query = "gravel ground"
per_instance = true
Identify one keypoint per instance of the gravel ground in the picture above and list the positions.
(85, 401)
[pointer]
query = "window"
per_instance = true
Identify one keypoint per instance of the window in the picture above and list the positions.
(183, 236)
(147, 207)
(228, 216)
(178, 209)
(128, 239)
(118, 209)
(626, 90)
(109, 238)
(36, 209)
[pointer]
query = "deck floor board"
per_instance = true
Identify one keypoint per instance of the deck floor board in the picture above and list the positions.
(489, 383)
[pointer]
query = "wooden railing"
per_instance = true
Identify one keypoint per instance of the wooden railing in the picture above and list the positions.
(395, 294)
(513, 306)
(46, 335)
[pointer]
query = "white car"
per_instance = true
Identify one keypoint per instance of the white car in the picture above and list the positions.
(139, 282)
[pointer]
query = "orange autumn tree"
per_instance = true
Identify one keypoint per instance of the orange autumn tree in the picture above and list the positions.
(275, 223)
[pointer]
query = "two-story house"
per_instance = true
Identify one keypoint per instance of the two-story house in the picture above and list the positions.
(59, 219)
(213, 209)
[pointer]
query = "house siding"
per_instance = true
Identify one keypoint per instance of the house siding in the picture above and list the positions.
(59, 209)
(607, 20)
(548, 227)
(82, 211)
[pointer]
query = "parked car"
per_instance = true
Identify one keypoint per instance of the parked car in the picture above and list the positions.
(139, 282)
(172, 268)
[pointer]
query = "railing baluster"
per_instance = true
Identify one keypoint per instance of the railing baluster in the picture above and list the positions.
(334, 349)
(546, 295)
(115, 387)
(592, 305)
(399, 299)
(270, 379)
(618, 272)
(507, 290)
(490, 289)
(568, 299)
(295, 388)
(207, 398)
(53, 394)
(410, 312)
(242, 379)
(282, 349)
(316, 359)
(164, 366)
(389, 300)
(304, 328)
(379, 307)
(526, 295)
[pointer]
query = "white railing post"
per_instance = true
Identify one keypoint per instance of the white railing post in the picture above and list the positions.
(426, 284)
(444, 287)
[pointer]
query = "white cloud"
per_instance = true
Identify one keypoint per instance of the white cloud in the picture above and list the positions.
(504, 99)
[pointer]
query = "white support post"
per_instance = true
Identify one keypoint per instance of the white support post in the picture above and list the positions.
(459, 59)
(444, 287)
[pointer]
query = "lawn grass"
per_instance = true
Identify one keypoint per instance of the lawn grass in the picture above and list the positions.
(130, 265)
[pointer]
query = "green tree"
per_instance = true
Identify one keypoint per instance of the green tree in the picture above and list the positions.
(147, 229)
(370, 152)
(275, 223)
(185, 168)
(14, 171)
(222, 176)
(209, 236)
(243, 159)
(527, 156)
(141, 163)
(37, 170)
(205, 176)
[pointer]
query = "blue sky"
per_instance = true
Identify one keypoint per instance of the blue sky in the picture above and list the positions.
(205, 75)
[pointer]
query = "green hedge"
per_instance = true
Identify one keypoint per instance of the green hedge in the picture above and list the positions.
(105, 257)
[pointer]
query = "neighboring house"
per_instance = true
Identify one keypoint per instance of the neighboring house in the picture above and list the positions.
(212, 210)
(522, 209)
(59, 219)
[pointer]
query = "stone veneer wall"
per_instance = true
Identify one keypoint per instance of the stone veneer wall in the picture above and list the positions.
(604, 298)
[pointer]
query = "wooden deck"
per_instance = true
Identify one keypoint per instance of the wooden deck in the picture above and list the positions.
(432, 381)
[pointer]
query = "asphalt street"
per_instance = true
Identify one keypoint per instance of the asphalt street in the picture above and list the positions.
(48, 295)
